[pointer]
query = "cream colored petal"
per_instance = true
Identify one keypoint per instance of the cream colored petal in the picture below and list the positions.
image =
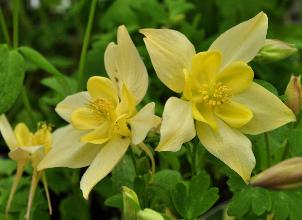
(71, 103)
(20, 155)
(238, 76)
(170, 52)
(85, 118)
(177, 125)
(125, 66)
(106, 159)
(102, 88)
(234, 114)
(127, 105)
(269, 112)
(230, 146)
(142, 122)
(243, 41)
(68, 151)
(204, 113)
(7, 133)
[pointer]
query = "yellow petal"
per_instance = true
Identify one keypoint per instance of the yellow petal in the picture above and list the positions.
(71, 103)
(142, 122)
(85, 118)
(230, 146)
(103, 163)
(177, 125)
(238, 76)
(99, 135)
(7, 133)
(125, 66)
(269, 112)
(243, 41)
(102, 87)
(127, 106)
(234, 114)
(170, 52)
(205, 114)
(23, 135)
(205, 65)
(68, 150)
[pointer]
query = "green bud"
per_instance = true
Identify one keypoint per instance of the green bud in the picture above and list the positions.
(293, 93)
(130, 204)
(149, 214)
(284, 175)
(274, 50)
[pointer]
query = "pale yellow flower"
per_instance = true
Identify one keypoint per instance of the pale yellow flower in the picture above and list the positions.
(26, 147)
(106, 115)
(218, 92)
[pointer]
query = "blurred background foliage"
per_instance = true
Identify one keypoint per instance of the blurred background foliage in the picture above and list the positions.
(55, 28)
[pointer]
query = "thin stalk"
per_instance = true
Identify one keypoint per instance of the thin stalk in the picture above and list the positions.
(44, 180)
(150, 155)
(16, 9)
(4, 27)
(28, 106)
(268, 149)
(85, 42)
(33, 186)
(20, 169)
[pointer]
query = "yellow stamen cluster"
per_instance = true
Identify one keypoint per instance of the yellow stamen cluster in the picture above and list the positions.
(43, 136)
(215, 95)
(102, 107)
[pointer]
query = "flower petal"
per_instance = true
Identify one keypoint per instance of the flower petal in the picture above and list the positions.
(85, 118)
(104, 162)
(170, 52)
(125, 66)
(23, 135)
(142, 122)
(230, 146)
(177, 125)
(99, 135)
(238, 76)
(68, 150)
(205, 114)
(71, 103)
(234, 114)
(7, 133)
(243, 41)
(127, 105)
(268, 110)
(102, 87)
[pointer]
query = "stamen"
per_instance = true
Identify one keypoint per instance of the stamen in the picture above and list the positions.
(102, 107)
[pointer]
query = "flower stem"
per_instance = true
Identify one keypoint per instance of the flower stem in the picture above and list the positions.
(27, 106)
(33, 186)
(4, 27)
(44, 180)
(16, 9)
(268, 149)
(150, 155)
(85, 42)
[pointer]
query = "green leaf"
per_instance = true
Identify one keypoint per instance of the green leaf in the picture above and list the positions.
(7, 166)
(194, 199)
(11, 77)
(74, 207)
(115, 201)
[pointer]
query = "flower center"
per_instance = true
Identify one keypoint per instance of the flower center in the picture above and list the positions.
(214, 95)
(43, 136)
(103, 107)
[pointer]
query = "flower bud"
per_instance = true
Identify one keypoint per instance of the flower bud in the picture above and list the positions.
(130, 203)
(294, 94)
(284, 175)
(149, 214)
(274, 50)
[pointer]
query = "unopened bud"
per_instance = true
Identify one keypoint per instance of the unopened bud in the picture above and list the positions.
(274, 50)
(293, 93)
(149, 214)
(284, 175)
(130, 203)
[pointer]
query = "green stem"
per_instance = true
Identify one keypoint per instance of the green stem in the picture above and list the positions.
(268, 149)
(85, 42)
(27, 106)
(150, 155)
(4, 27)
(193, 152)
(16, 9)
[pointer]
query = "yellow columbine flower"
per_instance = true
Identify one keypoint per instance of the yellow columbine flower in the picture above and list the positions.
(217, 91)
(25, 147)
(106, 115)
